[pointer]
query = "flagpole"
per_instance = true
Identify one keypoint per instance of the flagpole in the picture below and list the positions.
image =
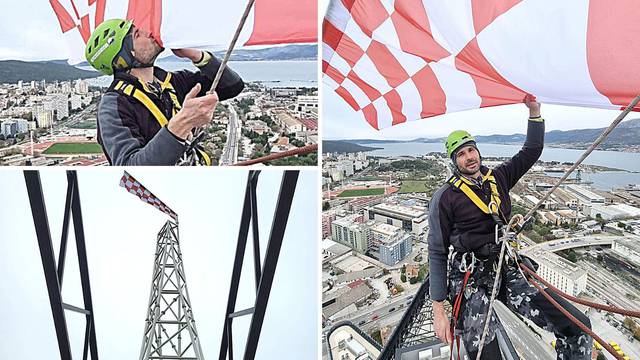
(232, 45)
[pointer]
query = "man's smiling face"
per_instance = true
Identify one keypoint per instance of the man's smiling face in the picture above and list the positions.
(468, 160)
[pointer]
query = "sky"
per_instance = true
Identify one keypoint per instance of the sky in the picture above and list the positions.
(120, 233)
(30, 31)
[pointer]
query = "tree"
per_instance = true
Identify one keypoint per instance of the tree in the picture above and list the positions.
(573, 257)
(413, 280)
(601, 356)
(403, 278)
(326, 206)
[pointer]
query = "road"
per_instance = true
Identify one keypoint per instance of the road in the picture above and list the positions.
(388, 313)
(234, 128)
(609, 287)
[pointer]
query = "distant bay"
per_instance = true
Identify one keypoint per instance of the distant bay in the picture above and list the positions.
(286, 73)
(630, 162)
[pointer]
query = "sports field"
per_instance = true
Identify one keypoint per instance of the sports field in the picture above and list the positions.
(361, 192)
(410, 186)
(73, 148)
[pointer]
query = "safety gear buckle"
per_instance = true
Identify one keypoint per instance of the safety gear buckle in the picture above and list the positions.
(465, 265)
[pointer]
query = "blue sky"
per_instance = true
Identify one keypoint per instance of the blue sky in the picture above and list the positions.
(121, 231)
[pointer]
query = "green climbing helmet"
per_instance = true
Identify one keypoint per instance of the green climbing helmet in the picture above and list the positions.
(456, 139)
(106, 49)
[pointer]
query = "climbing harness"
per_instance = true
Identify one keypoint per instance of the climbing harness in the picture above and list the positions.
(194, 154)
(493, 207)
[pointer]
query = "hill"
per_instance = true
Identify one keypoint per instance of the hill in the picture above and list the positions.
(11, 71)
(288, 52)
(343, 147)
(624, 135)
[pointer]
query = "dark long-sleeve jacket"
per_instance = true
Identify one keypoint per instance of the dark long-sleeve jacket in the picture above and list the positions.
(455, 220)
(130, 135)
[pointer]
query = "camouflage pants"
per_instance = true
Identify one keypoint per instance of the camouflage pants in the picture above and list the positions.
(521, 298)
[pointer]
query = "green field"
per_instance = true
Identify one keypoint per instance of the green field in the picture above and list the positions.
(74, 148)
(409, 186)
(361, 192)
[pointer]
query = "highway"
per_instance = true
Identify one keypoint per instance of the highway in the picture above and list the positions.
(610, 287)
(234, 131)
(571, 243)
(383, 314)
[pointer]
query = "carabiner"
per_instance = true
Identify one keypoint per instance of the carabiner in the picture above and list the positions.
(465, 265)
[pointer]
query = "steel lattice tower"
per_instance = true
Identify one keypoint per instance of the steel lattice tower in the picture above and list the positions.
(170, 330)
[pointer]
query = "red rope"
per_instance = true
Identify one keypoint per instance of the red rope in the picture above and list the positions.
(456, 313)
(613, 309)
(582, 326)
(301, 150)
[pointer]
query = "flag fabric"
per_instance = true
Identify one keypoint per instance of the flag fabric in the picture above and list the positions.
(134, 187)
(405, 60)
(191, 23)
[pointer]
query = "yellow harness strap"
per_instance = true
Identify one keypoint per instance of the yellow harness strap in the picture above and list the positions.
(141, 96)
(494, 204)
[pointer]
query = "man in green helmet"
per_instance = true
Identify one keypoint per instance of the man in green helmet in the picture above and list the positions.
(463, 215)
(148, 114)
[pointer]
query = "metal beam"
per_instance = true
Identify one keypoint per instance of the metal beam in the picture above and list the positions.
(81, 248)
(225, 343)
(65, 231)
(281, 216)
(254, 223)
(41, 224)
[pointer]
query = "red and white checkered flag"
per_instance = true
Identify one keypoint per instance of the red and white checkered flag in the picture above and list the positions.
(134, 187)
(395, 61)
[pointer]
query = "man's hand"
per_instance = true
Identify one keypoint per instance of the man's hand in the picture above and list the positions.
(533, 105)
(195, 112)
(192, 54)
(441, 322)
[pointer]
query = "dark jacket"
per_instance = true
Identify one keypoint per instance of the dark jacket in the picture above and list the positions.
(130, 135)
(455, 220)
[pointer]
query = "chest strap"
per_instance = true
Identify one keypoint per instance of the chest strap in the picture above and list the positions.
(143, 98)
(494, 204)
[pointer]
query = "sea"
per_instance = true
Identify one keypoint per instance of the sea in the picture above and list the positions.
(271, 73)
(627, 163)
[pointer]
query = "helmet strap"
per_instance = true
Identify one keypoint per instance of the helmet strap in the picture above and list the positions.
(125, 60)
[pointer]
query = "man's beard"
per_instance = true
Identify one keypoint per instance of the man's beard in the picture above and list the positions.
(150, 58)
(464, 171)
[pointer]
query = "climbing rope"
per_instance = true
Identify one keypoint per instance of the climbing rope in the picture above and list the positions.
(198, 132)
(299, 151)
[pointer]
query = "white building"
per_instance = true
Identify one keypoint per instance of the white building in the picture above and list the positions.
(584, 195)
(561, 273)
(628, 248)
(307, 104)
(81, 86)
(76, 101)
(409, 218)
(612, 212)
(44, 118)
